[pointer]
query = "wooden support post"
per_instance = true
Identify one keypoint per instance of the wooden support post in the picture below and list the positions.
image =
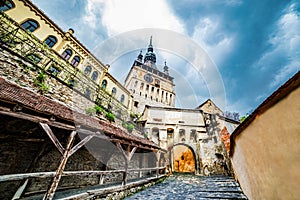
(127, 157)
(51, 190)
(141, 156)
(54, 139)
(157, 162)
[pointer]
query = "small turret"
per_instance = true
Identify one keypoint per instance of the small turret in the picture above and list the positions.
(166, 68)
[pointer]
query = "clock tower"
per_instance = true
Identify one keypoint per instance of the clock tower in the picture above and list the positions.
(148, 84)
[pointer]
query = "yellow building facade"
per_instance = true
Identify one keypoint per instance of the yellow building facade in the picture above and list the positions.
(73, 56)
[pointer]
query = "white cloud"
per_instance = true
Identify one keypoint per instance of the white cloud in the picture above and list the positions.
(93, 11)
(285, 53)
(210, 36)
(119, 16)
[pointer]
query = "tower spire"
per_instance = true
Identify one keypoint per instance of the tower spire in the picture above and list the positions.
(150, 57)
(150, 41)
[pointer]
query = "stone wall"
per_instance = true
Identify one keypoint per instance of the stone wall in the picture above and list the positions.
(23, 73)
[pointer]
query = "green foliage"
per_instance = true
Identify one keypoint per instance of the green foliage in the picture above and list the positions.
(90, 111)
(130, 127)
(124, 124)
(160, 180)
(40, 82)
(98, 109)
(243, 118)
(110, 117)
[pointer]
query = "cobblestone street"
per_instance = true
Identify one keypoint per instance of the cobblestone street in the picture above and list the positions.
(183, 186)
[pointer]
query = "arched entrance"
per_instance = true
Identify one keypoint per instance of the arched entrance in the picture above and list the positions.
(183, 158)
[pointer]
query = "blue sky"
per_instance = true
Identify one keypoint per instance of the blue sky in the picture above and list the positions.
(255, 45)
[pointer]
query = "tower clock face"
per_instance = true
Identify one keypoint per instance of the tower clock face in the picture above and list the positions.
(148, 78)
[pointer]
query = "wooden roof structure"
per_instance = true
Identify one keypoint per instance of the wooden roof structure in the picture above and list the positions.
(25, 104)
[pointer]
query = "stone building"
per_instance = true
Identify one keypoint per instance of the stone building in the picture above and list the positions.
(147, 84)
(193, 133)
(38, 55)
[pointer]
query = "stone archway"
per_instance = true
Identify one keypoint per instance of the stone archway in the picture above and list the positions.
(183, 158)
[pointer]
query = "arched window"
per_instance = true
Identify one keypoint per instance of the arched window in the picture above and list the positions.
(75, 61)
(104, 84)
(113, 91)
(30, 25)
(88, 70)
(67, 54)
(6, 5)
(51, 40)
(122, 98)
(94, 75)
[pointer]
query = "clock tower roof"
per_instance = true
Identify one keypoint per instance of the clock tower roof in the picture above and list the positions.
(150, 56)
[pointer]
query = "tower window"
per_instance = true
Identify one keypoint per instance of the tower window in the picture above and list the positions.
(94, 76)
(75, 61)
(30, 25)
(136, 104)
(67, 54)
(50, 41)
(6, 5)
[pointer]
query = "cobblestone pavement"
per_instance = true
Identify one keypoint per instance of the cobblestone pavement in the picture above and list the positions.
(189, 187)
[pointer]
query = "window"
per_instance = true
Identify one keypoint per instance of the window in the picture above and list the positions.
(136, 104)
(104, 84)
(6, 5)
(88, 70)
(193, 135)
(72, 82)
(181, 132)
(34, 58)
(53, 70)
(67, 54)
(50, 41)
(122, 98)
(75, 61)
(88, 93)
(113, 91)
(30, 25)
(94, 76)
(155, 132)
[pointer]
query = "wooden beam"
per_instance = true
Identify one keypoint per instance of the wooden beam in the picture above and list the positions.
(80, 144)
(36, 119)
(131, 153)
(18, 177)
(53, 138)
(51, 190)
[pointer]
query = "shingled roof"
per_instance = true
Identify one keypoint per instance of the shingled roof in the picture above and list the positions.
(23, 97)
